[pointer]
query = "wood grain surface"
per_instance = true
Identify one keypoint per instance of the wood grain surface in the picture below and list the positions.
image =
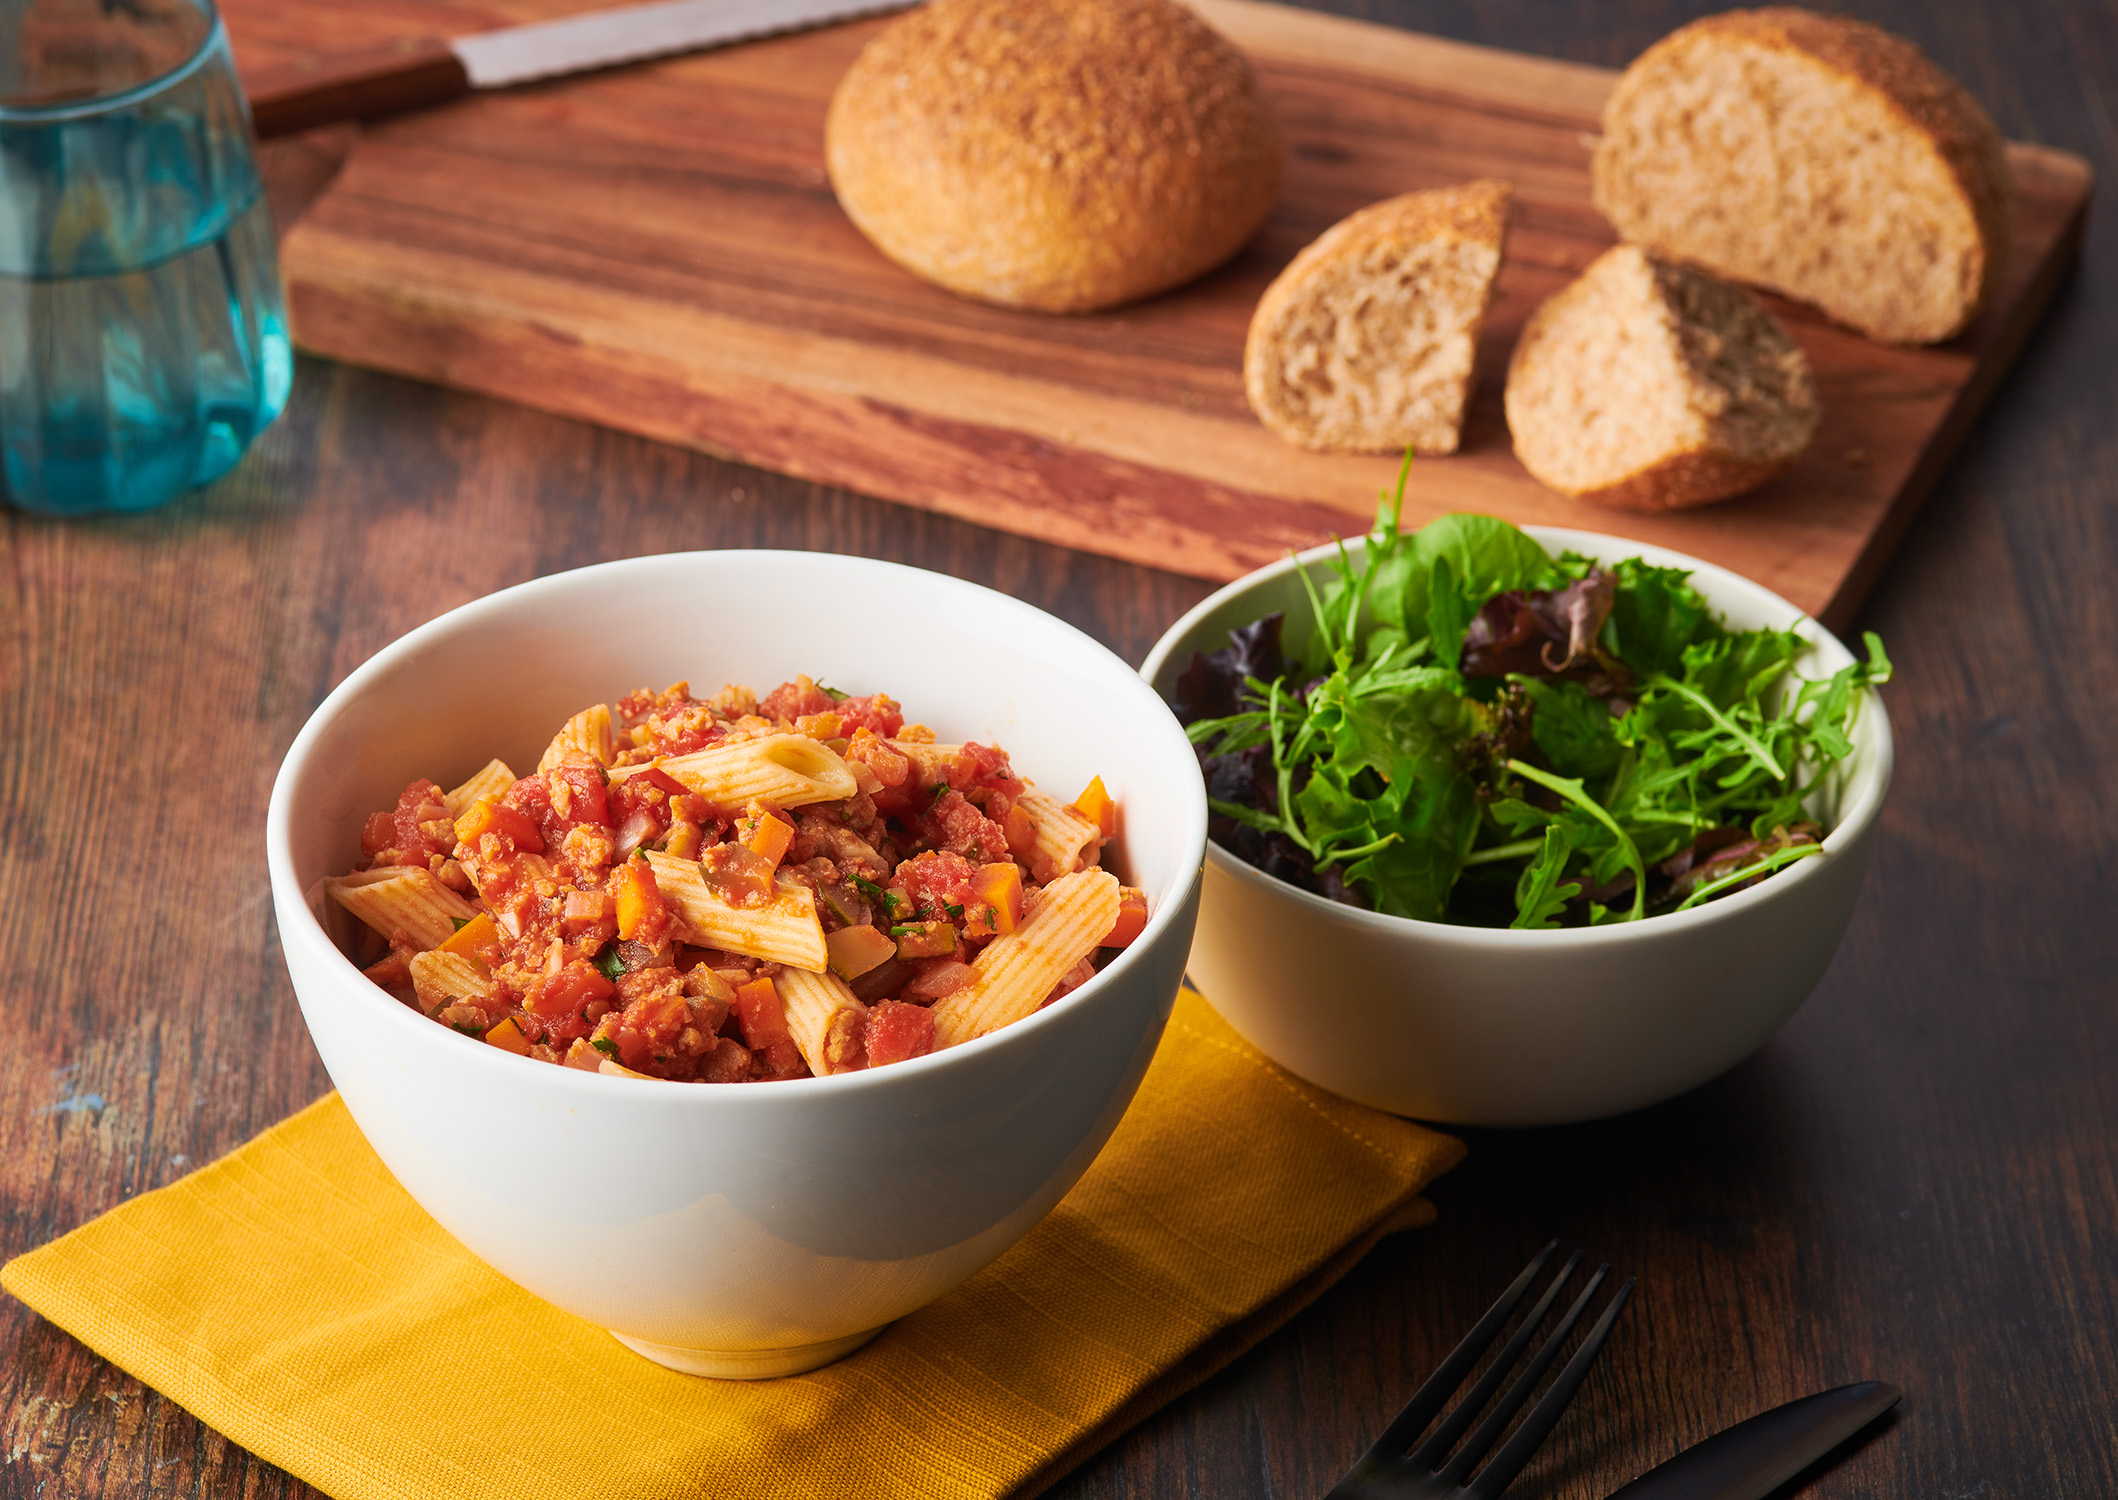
(1916, 1180)
(658, 249)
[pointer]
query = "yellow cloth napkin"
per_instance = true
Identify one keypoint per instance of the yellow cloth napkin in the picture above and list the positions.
(292, 1296)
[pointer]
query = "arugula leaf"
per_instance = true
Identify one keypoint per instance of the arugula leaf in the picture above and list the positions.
(1624, 849)
(1539, 897)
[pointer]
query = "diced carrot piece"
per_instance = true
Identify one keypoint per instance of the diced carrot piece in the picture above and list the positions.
(488, 816)
(897, 1031)
(1021, 830)
(856, 950)
(684, 841)
(924, 939)
(1095, 805)
(999, 888)
(508, 1037)
(1132, 917)
(762, 1014)
(640, 905)
(768, 834)
(477, 938)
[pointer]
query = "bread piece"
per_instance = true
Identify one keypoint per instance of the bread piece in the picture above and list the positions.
(1816, 156)
(1063, 155)
(1647, 385)
(1366, 342)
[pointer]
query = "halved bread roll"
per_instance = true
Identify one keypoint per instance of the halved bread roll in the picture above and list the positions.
(1814, 155)
(1649, 386)
(1367, 342)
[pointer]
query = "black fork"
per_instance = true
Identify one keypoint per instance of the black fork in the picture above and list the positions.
(1395, 1470)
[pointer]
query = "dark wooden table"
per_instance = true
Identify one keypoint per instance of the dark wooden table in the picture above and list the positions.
(1917, 1180)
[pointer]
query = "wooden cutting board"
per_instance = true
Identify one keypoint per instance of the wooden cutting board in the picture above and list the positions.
(658, 249)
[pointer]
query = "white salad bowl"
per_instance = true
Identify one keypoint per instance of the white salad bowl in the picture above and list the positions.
(1475, 1026)
(740, 1229)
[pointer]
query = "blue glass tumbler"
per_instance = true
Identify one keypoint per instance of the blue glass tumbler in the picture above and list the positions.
(143, 332)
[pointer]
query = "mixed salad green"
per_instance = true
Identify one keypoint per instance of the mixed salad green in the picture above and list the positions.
(1478, 732)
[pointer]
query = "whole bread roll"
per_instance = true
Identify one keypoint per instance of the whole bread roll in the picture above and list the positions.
(1061, 155)
(1647, 385)
(1817, 156)
(1367, 342)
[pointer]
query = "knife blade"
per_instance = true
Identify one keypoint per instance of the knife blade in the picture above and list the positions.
(1753, 1458)
(415, 73)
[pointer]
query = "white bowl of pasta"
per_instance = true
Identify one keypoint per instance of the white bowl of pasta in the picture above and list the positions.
(748, 1021)
(1594, 1001)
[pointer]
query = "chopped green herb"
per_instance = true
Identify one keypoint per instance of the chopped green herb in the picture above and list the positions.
(460, 922)
(832, 693)
(870, 889)
(906, 929)
(604, 1045)
(608, 962)
(955, 912)
(941, 790)
(468, 1028)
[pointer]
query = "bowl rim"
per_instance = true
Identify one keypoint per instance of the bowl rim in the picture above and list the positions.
(1861, 810)
(299, 926)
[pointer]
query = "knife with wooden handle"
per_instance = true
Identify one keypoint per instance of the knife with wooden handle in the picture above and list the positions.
(1752, 1459)
(420, 72)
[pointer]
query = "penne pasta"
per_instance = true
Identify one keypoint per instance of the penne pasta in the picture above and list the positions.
(440, 979)
(492, 781)
(1016, 972)
(783, 770)
(785, 930)
(586, 733)
(930, 763)
(1065, 841)
(826, 1019)
(407, 905)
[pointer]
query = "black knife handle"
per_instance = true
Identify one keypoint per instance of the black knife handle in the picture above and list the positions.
(1753, 1458)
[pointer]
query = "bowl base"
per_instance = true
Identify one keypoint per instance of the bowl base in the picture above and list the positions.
(748, 1364)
